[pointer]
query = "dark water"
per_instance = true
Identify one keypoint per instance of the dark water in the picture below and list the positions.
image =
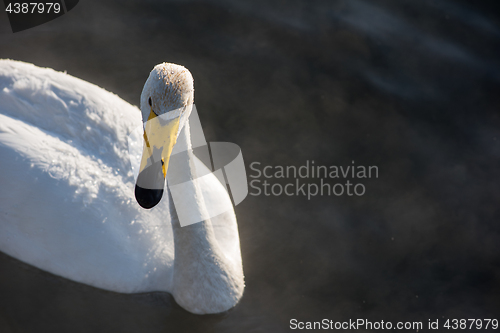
(409, 86)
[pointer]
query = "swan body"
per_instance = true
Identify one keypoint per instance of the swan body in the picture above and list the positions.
(67, 201)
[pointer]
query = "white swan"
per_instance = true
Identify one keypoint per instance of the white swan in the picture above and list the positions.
(67, 201)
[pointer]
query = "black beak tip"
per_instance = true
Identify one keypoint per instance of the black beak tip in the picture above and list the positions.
(147, 198)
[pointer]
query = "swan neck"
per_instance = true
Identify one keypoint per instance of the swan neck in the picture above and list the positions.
(204, 280)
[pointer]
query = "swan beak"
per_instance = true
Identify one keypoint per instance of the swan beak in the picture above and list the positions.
(160, 136)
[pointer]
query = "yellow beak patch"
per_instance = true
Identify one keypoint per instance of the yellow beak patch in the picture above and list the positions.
(160, 135)
(159, 140)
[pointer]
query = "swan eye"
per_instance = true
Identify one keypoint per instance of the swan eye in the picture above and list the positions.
(149, 100)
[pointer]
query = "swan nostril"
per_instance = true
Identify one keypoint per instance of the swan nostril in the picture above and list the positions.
(150, 104)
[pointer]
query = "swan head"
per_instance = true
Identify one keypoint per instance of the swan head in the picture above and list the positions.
(166, 103)
(169, 88)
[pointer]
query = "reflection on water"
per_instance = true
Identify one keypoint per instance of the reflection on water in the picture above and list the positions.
(409, 86)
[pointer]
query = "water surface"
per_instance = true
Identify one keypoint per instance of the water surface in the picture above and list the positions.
(408, 86)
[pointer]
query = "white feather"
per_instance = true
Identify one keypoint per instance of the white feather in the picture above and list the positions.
(67, 201)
